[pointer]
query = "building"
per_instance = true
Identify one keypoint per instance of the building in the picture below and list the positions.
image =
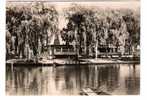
(58, 49)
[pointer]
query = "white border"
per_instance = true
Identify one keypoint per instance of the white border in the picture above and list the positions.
(2, 47)
(143, 48)
(143, 84)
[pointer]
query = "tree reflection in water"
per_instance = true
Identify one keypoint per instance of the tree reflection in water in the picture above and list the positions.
(132, 82)
(70, 80)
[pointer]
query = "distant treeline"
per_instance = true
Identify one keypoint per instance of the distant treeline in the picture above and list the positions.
(90, 28)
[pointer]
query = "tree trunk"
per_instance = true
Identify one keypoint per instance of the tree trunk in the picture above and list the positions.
(96, 50)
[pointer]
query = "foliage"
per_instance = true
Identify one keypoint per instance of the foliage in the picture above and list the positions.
(93, 28)
(31, 24)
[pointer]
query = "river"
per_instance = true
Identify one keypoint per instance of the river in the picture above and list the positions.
(117, 79)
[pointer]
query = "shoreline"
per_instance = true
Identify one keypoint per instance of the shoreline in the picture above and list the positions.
(60, 62)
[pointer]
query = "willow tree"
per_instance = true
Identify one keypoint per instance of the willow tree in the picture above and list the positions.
(14, 18)
(47, 21)
(32, 24)
(132, 20)
(81, 21)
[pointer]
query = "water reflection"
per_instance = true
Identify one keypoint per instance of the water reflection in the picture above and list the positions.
(70, 80)
(132, 81)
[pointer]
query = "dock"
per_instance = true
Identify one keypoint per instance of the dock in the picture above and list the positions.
(91, 92)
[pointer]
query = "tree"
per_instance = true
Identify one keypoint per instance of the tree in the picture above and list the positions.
(132, 20)
(33, 24)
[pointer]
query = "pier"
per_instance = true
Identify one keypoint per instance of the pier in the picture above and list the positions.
(92, 92)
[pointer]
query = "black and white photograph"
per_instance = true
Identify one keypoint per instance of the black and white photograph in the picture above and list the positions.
(84, 48)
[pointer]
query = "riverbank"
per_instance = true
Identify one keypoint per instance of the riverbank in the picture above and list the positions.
(58, 62)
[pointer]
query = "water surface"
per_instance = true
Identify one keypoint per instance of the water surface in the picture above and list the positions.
(117, 79)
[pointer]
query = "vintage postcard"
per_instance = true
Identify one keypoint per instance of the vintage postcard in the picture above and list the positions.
(86, 48)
